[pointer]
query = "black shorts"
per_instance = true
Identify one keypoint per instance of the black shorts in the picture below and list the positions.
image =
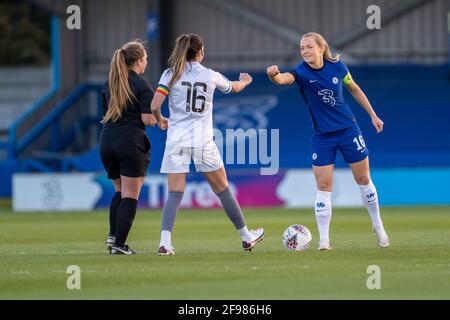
(124, 151)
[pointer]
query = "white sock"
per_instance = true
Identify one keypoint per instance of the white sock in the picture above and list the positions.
(369, 197)
(323, 212)
(245, 234)
(166, 239)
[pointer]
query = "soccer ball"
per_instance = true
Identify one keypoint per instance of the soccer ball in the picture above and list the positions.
(296, 238)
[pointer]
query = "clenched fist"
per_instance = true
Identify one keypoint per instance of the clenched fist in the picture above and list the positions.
(272, 71)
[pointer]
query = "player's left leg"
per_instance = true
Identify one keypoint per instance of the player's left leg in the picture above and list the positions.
(112, 167)
(369, 196)
(219, 183)
(356, 153)
(177, 184)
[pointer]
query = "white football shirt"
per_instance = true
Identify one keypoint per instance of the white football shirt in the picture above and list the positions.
(191, 104)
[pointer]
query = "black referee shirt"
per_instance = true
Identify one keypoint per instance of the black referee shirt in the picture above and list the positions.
(143, 93)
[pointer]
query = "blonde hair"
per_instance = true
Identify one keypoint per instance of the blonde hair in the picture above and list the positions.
(186, 49)
(321, 42)
(119, 88)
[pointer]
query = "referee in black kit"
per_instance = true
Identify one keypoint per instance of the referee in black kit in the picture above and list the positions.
(124, 145)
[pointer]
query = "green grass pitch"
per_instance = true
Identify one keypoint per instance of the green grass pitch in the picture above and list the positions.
(37, 248)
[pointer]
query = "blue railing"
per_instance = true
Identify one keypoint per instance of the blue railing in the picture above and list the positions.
(58, 140)
(52, 118)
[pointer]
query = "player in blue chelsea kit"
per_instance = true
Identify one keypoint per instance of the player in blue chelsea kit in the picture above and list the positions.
(320, 79)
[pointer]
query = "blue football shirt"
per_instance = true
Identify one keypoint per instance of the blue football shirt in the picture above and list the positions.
(322, 90)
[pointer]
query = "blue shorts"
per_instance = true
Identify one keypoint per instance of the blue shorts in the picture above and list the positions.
(349, 141)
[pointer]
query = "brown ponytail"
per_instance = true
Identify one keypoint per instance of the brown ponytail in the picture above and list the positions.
(186, 48)
(119, 87)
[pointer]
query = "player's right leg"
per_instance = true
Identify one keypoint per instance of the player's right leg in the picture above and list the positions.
(175, 163)
(322, 207)
(323, 154)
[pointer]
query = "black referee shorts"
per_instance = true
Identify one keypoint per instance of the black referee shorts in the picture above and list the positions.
(124, 151)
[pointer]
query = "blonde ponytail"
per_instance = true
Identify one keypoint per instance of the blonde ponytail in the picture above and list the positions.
(119, 87)
(327, 54)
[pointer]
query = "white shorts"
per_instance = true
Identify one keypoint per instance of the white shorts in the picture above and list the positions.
(178, 159)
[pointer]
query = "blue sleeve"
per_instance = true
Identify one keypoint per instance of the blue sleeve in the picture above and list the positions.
(296, 74)
(342, 69)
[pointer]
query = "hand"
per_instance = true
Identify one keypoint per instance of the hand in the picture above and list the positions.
(272, 71)
(152, 121)
(378, 124)
(245, 77)
(163, 123)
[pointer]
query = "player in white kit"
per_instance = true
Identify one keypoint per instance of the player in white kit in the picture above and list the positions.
(190, 88)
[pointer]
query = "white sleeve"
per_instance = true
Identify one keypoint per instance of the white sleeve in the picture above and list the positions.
(163, 84)
(222, 83)
(165, 78)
